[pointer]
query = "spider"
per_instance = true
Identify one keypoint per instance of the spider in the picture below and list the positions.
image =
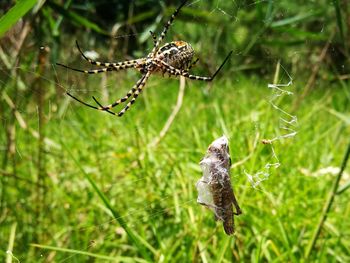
(174, 58)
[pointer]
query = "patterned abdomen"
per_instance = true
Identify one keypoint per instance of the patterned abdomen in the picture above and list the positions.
(177, 54)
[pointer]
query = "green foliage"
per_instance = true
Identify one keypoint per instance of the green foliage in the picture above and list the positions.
(80, 185)
(14, 14)
(76, 18)
(259, 32)
(153, 189)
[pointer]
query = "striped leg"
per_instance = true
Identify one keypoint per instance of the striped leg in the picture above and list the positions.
(133, 90)
(193, 64)
(86, 104)
(121, 100)
(154, 37)
(166, 27)
(106, 64)
(177, 72)
(101, 70)
(136, 94)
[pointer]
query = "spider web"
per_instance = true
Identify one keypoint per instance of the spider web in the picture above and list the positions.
(65, 82)
(287, 123)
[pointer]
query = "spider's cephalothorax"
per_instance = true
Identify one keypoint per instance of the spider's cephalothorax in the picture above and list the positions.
(174, 58)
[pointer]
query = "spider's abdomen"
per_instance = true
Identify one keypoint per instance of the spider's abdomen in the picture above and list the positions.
(178, 54)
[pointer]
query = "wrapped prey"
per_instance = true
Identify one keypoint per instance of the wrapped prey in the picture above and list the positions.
(214, 188)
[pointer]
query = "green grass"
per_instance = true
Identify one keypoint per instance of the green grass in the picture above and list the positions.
(78, 185)
(14, 14)
(109, 196)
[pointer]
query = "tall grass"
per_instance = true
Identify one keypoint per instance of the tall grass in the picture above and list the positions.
(155, 195)
(78, 184)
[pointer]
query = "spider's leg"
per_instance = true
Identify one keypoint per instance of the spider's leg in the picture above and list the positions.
(223, 63)
(107, 108)
(105, 64)
(192, 64)
(154, 37)
(121, 100)
(95, 71)
(82, 102)
(136, 94)
(177, 72)
(101, 107)
(166, 27)
(86, 104)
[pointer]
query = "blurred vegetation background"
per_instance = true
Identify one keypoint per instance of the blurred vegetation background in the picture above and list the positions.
(259, 32)
(51, 146)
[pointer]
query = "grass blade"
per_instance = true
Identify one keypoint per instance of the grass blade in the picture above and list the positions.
(339, 19)
(328, 204)
(133, 236)
(11, 243)
(224, 247)
(89, 254)
(76, 18)
(14, 14)
(295, 19)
